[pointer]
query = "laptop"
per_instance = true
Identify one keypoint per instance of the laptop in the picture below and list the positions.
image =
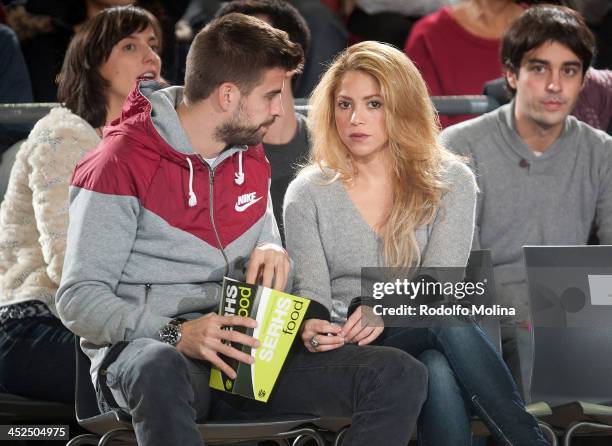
(570, 286)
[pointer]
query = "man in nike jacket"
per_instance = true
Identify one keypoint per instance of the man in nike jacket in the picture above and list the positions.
(174, 198)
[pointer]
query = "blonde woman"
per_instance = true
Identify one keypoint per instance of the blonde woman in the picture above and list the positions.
(381, 192)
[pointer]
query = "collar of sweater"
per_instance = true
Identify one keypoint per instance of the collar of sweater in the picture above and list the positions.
(507, 128)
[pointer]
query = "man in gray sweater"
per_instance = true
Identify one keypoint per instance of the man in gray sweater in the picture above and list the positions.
(545, 178)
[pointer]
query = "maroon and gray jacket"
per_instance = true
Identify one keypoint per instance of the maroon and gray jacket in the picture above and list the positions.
(154, 227)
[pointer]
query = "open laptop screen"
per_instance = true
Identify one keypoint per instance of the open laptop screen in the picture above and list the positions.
(570, 286)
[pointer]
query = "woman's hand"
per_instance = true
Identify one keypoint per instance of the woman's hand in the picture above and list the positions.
(324, 333)
(359, 329)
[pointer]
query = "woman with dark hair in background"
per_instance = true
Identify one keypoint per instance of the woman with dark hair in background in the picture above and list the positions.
(104, 61)
(46, 27)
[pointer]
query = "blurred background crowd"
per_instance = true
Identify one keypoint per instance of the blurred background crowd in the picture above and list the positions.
(454, 43)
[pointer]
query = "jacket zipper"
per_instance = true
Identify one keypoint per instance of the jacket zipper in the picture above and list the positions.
(147, 292)
(211, 182)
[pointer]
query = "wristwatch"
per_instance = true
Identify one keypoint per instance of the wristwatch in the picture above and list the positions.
(171, 332)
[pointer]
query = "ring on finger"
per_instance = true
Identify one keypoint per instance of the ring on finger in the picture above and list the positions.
(314, 342)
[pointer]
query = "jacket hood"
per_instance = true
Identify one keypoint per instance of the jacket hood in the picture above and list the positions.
(149, 116)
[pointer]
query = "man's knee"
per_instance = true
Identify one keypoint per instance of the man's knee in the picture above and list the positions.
(442, 380)
(437, 365)
(151, 364)
(402, 373)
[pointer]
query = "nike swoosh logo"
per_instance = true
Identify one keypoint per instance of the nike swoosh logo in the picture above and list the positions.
(243, 207)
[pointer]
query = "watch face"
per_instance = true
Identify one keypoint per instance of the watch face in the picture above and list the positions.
(170, 334)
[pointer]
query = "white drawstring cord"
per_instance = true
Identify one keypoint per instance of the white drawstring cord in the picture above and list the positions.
(240, 175)
(193, 200)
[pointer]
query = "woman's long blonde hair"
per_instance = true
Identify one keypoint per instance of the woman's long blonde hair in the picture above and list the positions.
(418, 162)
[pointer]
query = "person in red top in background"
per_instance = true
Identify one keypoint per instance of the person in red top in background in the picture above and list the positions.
(457, 48)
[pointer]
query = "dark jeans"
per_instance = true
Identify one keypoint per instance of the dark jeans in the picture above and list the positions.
(485, 382)
(381, 389)
(445, 417)
(37, 359)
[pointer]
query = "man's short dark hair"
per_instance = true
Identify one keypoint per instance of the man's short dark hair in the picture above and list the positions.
(547, 23)
(280, 13)
(237, 48)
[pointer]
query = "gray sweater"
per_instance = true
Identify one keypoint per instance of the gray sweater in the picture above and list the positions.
(524, 199)
(329, 241)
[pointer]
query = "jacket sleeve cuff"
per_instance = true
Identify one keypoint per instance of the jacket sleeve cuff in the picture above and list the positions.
(317, 311)
(357, 302)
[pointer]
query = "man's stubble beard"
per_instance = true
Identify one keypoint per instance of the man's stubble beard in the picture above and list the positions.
(234, 132)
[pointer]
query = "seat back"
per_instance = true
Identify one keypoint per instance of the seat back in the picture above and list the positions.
(572, 364)
(496, 89)
(14, 408)
(480, 269)
(7, 159)
(86, 402)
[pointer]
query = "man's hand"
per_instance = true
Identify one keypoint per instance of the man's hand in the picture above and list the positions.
(357, 330)
(203, 338)
(326, 335)
(269, 262)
